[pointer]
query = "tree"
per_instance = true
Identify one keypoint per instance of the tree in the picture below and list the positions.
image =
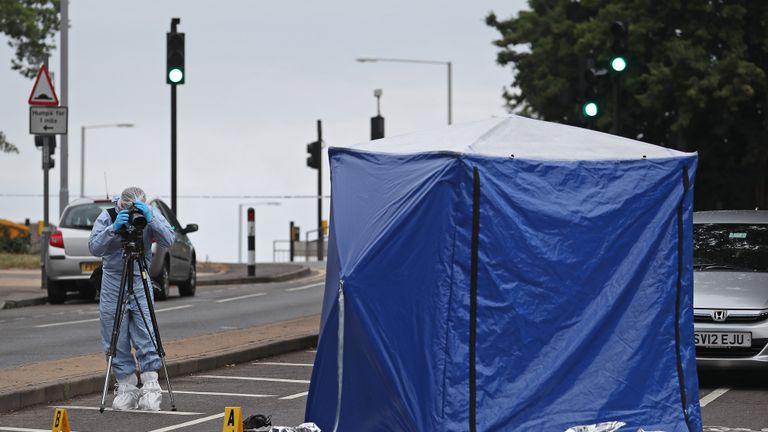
(5, 146)
(696, 80)
(30, 26)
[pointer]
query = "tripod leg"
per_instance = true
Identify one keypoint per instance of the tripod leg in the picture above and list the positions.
(117, 322)
(155, 329)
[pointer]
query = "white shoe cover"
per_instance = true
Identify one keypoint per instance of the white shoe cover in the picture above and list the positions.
(150, 392)
(126, 394)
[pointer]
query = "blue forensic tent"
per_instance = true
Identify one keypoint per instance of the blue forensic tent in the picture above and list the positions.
(507, 275)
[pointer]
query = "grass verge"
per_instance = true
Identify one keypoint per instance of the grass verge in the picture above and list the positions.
(19, 261)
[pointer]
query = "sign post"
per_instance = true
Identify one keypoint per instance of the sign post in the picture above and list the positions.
(46, 118)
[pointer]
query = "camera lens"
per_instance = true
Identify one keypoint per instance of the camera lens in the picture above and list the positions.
(137, 219)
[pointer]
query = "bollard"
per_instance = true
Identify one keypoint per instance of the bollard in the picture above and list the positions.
(251, 242)
(233, 419)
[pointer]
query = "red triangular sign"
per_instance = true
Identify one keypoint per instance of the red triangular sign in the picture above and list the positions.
(43, 92)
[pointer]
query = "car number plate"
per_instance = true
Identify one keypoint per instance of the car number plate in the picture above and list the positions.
(723, 339)
(89, 267)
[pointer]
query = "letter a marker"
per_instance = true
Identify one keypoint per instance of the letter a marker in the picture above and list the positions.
(233, 419)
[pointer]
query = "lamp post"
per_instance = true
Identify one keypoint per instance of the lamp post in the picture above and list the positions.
(82, 148)
(434, 62)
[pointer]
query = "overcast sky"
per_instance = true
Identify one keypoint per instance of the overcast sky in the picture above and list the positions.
(259, 74)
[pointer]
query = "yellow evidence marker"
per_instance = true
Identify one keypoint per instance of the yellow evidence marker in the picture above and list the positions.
(233, 419)
(60, 421)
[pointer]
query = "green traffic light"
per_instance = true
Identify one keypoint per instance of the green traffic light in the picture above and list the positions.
(175, 75)
(618, 64)
(589, 109)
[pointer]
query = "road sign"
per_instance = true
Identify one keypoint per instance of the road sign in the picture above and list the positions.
(47, 120)
(43, 92)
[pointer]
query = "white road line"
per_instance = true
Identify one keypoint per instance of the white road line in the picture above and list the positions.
(95, 408)
(312, 351)
(709, 398)
(173, 308)
(294, 396)
(97, 319)
(222, 394)
(189, 423)
(66, 323)
(15, 429)
(253, 379)
(240, 297)
(282, 364)
(305, 287)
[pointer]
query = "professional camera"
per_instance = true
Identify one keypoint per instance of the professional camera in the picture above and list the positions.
(134, 228)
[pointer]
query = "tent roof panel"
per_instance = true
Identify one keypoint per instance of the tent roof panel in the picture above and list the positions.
(522, 137)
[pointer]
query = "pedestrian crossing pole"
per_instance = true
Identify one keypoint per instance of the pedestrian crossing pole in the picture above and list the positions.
(251, 242)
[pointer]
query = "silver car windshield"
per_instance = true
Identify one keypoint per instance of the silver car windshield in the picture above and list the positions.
(83, 216)
(730, 247)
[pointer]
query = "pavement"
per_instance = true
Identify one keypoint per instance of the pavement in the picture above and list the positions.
(20, 288)
(47, 381)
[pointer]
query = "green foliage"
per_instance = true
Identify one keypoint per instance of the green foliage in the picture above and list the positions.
(30, 25)
(17, 245)
(5, 146)
(695, 80)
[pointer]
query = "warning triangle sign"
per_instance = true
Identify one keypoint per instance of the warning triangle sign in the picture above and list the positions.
(43, 92)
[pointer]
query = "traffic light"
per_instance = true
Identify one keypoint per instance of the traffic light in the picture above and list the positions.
(590, 107)
(377, 127)
(174, 69)
(48, 145)
(313, 160)
(619, 31)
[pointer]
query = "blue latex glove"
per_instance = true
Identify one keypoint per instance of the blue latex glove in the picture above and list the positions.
(120, 220)
(145, 210)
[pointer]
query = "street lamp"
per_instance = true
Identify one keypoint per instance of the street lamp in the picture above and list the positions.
(446, 63)
(82, 148)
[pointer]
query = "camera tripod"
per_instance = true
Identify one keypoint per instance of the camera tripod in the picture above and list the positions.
(133, 253)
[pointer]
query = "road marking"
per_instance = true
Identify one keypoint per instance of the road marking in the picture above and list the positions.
(240, 298)
(189, 423)
(282, 364)
(15, 429)
(97, 319)
(312, 351)
(253, 379)
(94, 408)
(294, 396)
(709, 398)
(221, 394)
(305, 287)
(66, 323)
(173, 308)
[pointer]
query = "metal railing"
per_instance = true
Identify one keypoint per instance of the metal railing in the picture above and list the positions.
(306, 249)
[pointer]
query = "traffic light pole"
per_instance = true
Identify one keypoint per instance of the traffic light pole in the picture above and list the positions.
(616, 103)
(320, 239)
(174, 23)
(46, 231)
(173, 149)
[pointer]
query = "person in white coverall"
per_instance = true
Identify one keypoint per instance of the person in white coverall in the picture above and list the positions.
(105, 242)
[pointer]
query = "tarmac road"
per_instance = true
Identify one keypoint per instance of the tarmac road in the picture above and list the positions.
(276, 386)
(731, 401)
(48, 332)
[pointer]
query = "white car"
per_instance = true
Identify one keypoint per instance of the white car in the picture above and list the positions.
(730, 284)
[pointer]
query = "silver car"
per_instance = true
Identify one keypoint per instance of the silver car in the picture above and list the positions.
(730, 284)
(69, 263)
